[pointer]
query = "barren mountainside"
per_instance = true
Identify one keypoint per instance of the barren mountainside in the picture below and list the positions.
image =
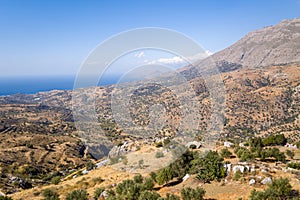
(272, 45)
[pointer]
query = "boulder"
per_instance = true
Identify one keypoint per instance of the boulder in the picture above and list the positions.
(252, 182)
(266, 181)
(238, 168)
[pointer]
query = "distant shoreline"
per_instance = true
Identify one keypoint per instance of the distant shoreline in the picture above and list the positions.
(32, 85)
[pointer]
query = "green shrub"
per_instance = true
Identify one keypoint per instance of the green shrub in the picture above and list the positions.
(89, 166)
(77, 195)
(55, 180)
(171, 197)
(225, 153)
(98, 192)
(149, 195)
(237, 175)
(29, 145)
(192, 194)
(50, 194)
(294, 165)
(138, 179)
(159, 154)
(290, 153)
(5, 198)
(148, 184)
(274, 140)
(278, 189)
(158, 144)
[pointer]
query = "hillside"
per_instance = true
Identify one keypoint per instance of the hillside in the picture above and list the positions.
(261, 76)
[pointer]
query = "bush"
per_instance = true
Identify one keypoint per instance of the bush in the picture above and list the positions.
(243, 154)
(77, 195)
(148, 184)
(225, 153)
(55, 180)
(98, 192)
(164, 175)
(29, 145)
(138, 179)
(158, 144)
(294, 165)
(192, 194)
(275, 140)
(153, 176)
(149, 195)
(50, 194)
(290, 153)
(159, 154)
(237, 175)
(89, 166)
(141, 164)
(128, 189)
(5, 198)
(171, 197)
(278, 189)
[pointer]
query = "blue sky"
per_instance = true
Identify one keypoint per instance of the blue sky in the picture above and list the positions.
(53, 37)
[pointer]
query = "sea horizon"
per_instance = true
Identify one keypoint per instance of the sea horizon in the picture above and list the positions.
(11, 85)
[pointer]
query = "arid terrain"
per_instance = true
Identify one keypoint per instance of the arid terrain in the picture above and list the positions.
(41, 147)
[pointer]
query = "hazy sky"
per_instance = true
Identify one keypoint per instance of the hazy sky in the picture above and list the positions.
(39, 37)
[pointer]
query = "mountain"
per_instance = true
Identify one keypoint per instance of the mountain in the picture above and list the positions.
(261, 76)
(272, 45)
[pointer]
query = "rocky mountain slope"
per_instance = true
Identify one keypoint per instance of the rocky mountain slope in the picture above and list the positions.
(272, 45)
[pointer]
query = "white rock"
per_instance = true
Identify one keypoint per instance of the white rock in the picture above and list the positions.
(186, 177)
(228, 144)
(266, 181)
(228, 168)
(252, 182)
(238, 168)
(197, 144)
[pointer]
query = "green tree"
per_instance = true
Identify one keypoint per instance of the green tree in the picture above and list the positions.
(209, 168)
(164, 175)
(272, 140)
